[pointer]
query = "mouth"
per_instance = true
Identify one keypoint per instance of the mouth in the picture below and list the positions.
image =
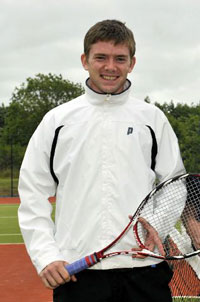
(109, 78)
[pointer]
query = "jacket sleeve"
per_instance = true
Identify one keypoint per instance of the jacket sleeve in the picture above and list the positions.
(168, 160)
(168, 164)
(36, 185)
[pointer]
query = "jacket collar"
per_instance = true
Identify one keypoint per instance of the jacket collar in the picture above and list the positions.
(97, 98)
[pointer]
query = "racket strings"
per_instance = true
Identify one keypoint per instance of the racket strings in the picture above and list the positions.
(174, 212)
(185, 282)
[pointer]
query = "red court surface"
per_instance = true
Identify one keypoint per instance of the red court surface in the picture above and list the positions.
(14, 200)
(19, 280)
(9, 200)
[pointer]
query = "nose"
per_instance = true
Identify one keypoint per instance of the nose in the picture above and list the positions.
(110, 65)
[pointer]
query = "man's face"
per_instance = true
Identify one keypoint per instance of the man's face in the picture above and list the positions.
(108, 66)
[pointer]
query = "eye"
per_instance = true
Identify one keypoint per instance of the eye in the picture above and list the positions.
(121, 59)
(100, 58)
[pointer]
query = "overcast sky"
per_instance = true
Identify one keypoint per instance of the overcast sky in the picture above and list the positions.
(42, 36)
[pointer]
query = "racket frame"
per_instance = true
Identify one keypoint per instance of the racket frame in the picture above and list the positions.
(96, 257)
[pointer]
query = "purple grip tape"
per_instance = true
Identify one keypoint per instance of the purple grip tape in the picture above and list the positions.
(76, 266)
(81, 264)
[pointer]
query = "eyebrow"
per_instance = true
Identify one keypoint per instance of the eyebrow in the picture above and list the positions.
(104, 54)
(99, 54)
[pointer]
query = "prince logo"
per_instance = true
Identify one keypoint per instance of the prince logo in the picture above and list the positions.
(130, 130)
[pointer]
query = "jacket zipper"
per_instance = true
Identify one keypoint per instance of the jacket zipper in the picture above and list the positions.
(108, 96)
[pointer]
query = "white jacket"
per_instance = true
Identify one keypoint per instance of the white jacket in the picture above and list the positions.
(101, 151)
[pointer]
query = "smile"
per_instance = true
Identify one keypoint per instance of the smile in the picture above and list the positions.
(109, 78)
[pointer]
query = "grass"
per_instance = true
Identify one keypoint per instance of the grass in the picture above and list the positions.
(9, 226)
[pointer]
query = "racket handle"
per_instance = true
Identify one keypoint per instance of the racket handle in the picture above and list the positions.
(81, 264)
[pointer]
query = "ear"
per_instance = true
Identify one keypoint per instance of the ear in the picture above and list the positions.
(84, 61)
(133, 61)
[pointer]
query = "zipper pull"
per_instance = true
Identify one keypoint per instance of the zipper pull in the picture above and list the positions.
(108, 96)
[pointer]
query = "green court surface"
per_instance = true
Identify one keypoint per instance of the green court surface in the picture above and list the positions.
(9, 227)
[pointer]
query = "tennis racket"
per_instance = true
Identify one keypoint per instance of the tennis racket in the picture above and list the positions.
(185, 283)
(170, 214)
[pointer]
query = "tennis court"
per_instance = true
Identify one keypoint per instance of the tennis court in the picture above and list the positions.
(19, 280)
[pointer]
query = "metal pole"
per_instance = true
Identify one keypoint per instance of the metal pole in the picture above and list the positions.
(11, 168)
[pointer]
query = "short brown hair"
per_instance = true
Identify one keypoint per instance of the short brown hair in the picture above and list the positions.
(109, 30)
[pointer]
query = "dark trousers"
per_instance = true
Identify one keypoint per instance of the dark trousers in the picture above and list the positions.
(147, 284)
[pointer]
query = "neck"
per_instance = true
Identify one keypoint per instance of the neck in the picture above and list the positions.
(127, 85)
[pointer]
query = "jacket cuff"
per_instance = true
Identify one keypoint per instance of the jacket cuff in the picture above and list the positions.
(44, 261)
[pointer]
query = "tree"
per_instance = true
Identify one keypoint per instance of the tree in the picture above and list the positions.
(3, 111)
(189, 129)
(29, 103)
(32, 100)
(186, 124)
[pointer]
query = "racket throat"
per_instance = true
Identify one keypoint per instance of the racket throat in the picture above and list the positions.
(91, 259)
(98, 256)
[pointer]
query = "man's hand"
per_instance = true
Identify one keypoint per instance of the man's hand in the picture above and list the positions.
(152, 240)
(55, 274)
(193, 229)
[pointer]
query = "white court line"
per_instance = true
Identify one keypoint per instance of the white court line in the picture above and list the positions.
(185, 297)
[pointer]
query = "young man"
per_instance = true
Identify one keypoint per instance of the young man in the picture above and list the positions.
(100, 154)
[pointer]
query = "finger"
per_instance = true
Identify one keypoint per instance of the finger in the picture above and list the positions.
(137, 253)
(145, 223)
(150, 246)
(52, 279)
(160, 247)
(156, 241)
(55, 274)
(152, 237)
(73, 278)
(59, 272)
(59, 278)
(47, 284)
(139, 256)
(64, 273)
